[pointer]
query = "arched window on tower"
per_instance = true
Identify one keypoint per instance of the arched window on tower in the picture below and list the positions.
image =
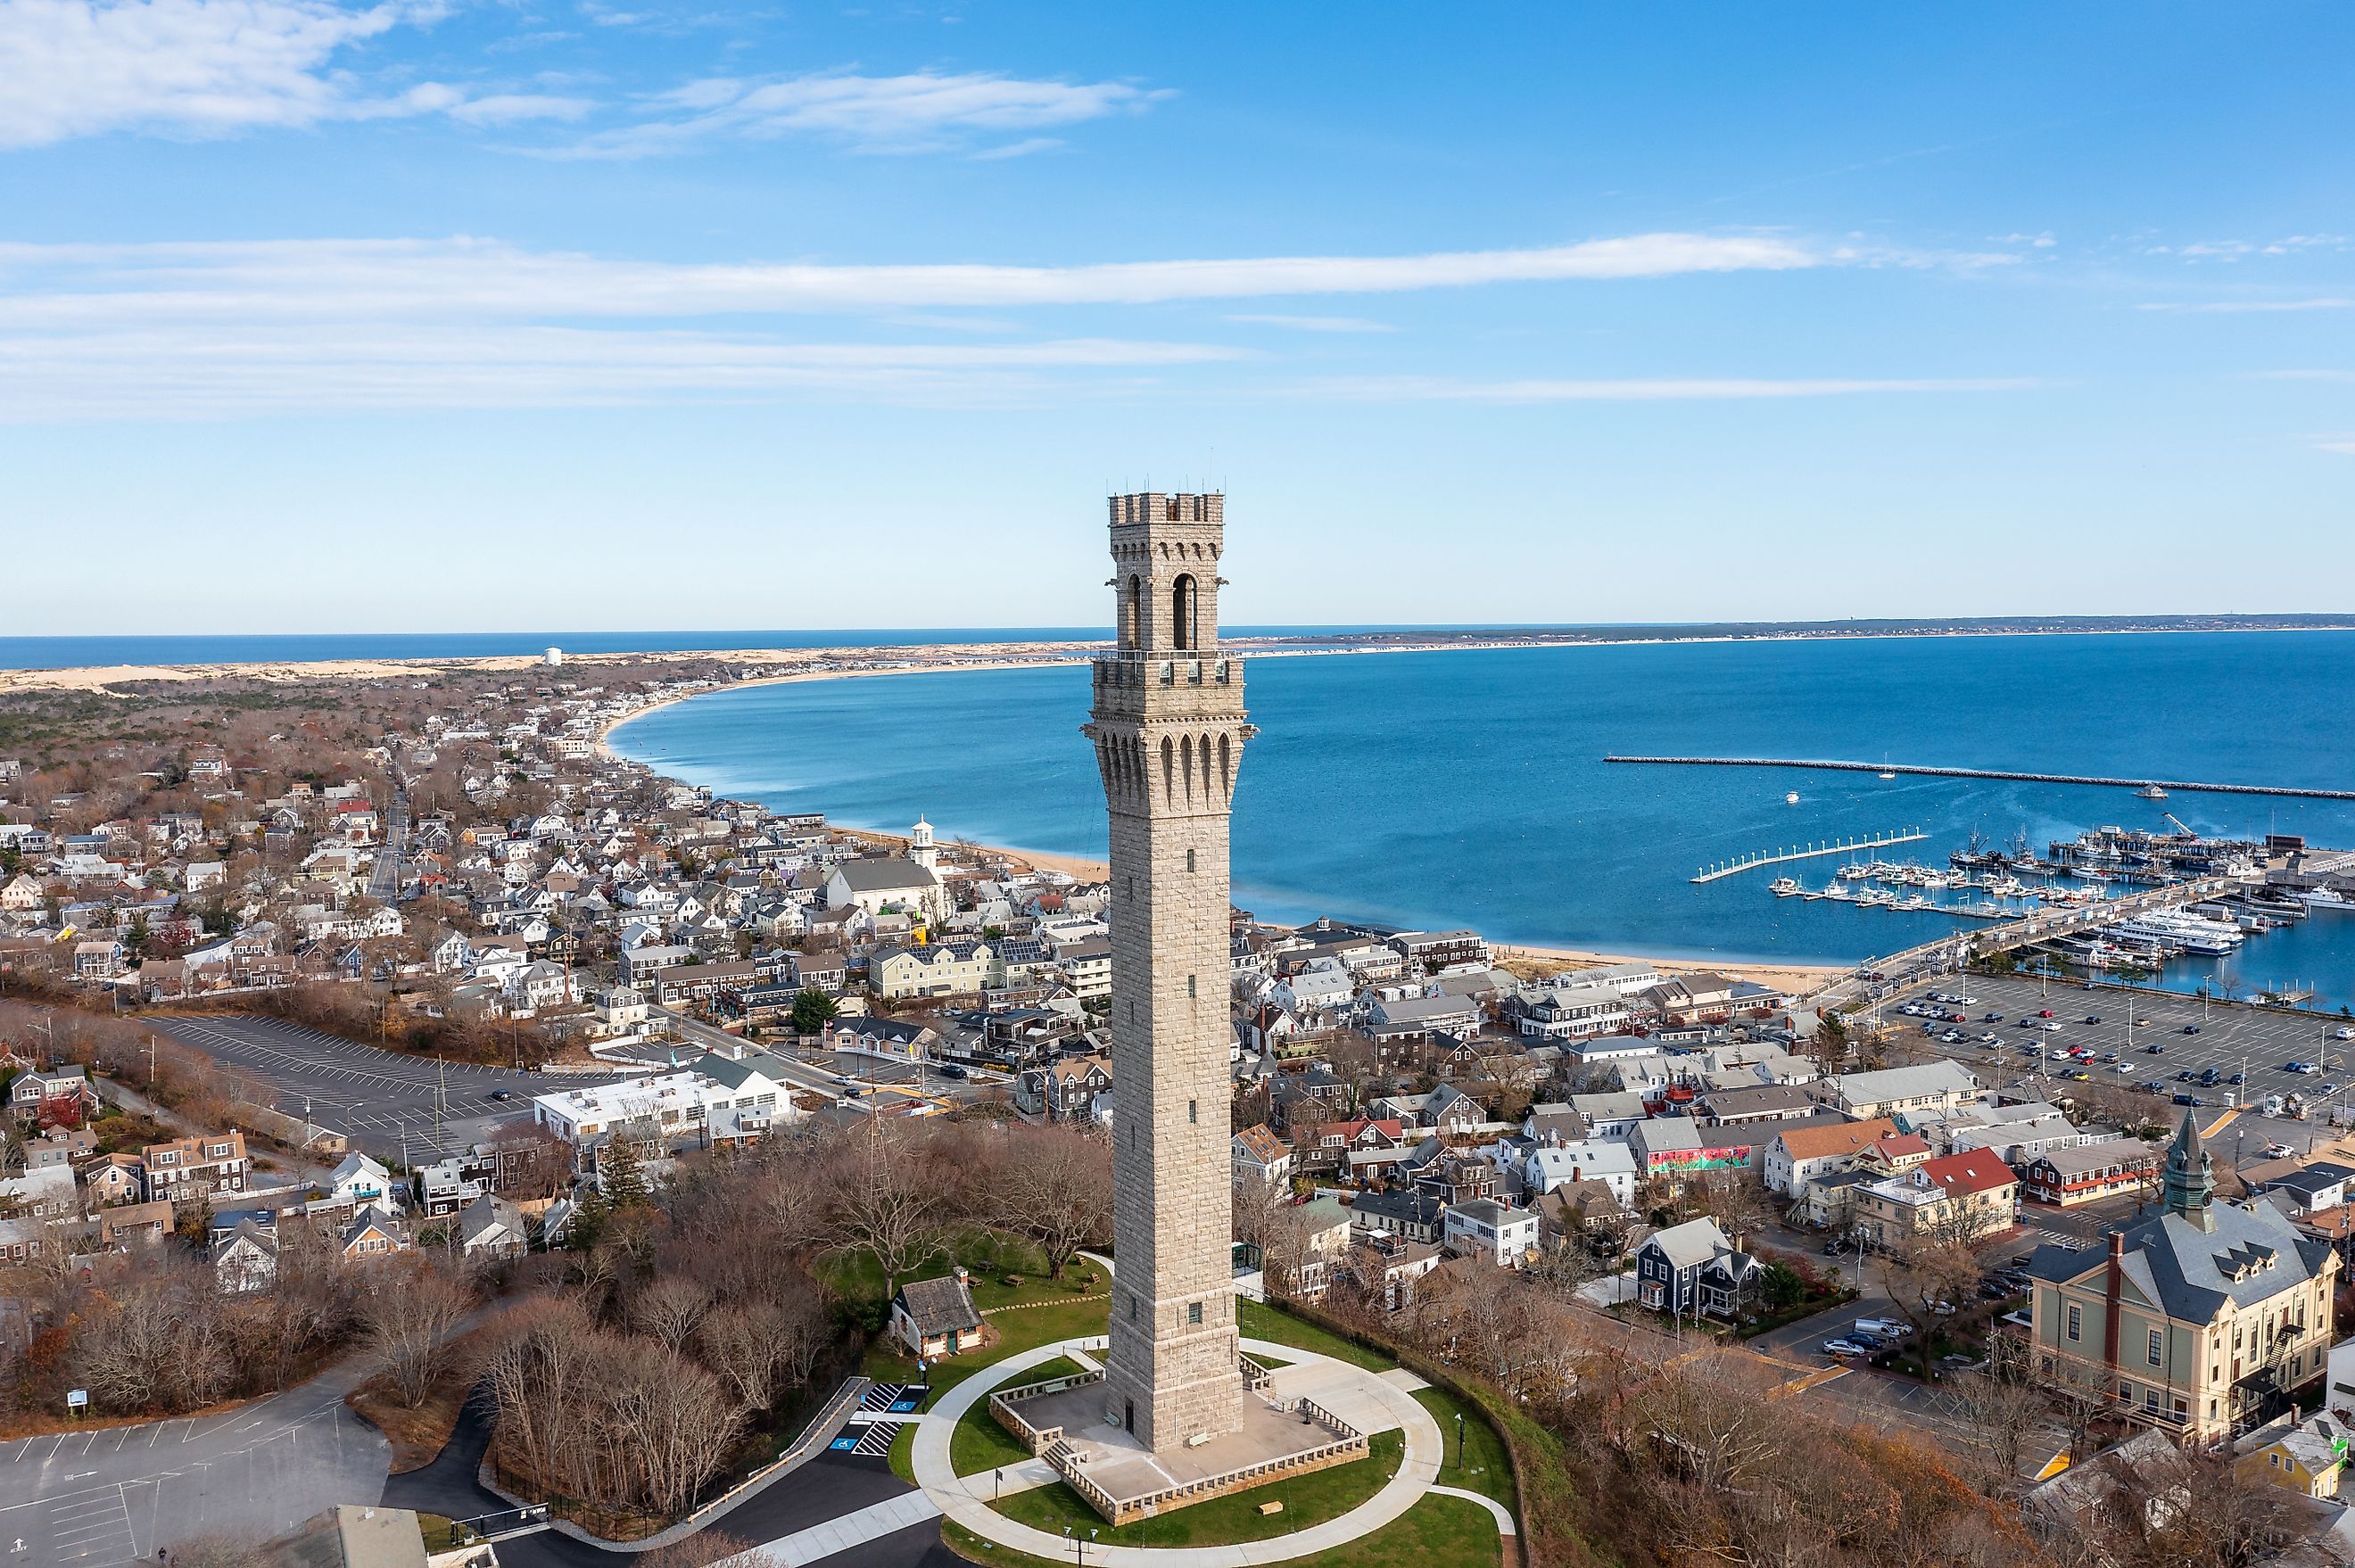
(1131, 619)
(1181, 611)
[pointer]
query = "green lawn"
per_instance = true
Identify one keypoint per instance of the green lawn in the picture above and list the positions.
(988, 1257)
(1437, 1532)
(1309, 1499)
(979, 1443)
(1261, 1321)
(1482, 1465)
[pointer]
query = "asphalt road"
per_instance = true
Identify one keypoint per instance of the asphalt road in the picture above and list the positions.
(384, 876)
(384, 1101)
(112, 1495)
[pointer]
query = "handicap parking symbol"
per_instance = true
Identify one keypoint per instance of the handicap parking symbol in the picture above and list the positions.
(844, 1444)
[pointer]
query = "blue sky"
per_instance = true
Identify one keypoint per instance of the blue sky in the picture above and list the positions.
(477, 316)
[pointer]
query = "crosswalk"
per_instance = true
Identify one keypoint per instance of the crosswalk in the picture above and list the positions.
(875, 1439)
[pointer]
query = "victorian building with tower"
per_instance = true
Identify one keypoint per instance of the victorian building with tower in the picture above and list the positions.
(2203, 1320)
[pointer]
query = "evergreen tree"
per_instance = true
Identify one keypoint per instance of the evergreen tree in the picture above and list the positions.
(812, 1010)
(624, 1177)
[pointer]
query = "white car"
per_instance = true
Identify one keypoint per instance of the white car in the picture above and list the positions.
(2342, 1032)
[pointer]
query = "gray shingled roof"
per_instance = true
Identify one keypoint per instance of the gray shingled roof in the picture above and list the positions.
(940, 1305)
(2191, 1273)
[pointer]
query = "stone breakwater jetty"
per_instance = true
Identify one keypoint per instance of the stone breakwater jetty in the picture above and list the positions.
(2186, 785)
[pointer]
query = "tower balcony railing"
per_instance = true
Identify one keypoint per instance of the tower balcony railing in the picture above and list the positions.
(1128, 669)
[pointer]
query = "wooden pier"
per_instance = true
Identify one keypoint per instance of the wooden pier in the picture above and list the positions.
(2171, 785)
(1778, 857)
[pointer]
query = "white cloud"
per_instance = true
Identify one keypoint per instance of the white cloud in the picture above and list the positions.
(919, 112)
(507, 107)
(2342, 444)
(1021, 149)
(184, 372)
(213, 68)
(113, 285)
(1317, 323)
(1415, 389)
(209, 328)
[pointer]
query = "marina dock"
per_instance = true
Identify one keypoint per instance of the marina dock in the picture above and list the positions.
(1778, 857)
(2171, 785)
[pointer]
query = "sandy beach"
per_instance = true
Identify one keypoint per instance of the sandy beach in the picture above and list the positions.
(777, 666)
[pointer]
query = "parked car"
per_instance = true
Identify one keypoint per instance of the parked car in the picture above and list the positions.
(2093, 1018)
(1844, 1348)
(2192, 1029)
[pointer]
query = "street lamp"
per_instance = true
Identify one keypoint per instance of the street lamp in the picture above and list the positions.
(1459, 1441)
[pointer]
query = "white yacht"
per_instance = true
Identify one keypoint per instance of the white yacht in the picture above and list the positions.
(1784, 886)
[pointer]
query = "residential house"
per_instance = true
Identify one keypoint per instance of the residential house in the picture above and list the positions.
(2308, 1457)
(1952, 1198)
(958, 967)
(1413, 1215)
(1086, 965)
(1410, 1019)
(1493, 1232)
(1611, 1164)
(245, 1258)
(115, 1179)
(134, 1224)
(1065, 1089)
(490, 1227)
(192, 1169)
(373, 1234)
(1692, 1268)
(1261, 1160)
(360, 1182)
(51, 1095)
(1798, 1155)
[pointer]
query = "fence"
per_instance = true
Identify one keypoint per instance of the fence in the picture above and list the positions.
(1038, 1439)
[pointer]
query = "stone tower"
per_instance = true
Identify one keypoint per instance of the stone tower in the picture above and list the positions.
(1168, 727)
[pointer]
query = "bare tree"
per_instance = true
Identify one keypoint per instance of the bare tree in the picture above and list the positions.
(880, 1200)
(409, 1314)
(2001, 1414)
(669, 1308)
(1058, 1194)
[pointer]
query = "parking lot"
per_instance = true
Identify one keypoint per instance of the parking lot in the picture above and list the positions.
(111, 1495)
(2228, 1037)
(383, 1101)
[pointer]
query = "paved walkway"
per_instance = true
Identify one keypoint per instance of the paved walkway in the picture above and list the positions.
(965, 1500)
(846, 1530)
(1398, 1377)
(1504, 1525)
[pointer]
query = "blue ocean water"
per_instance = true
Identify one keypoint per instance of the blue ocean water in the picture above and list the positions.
(1468, 787)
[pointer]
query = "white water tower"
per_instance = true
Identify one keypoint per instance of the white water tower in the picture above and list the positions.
(553, 657)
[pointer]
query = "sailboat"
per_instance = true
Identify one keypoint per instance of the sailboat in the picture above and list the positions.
(1886, 771)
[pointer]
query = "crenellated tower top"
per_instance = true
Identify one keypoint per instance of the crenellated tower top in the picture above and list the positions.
(1165, 554)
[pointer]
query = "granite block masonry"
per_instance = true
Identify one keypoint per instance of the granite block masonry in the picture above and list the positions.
(1168, 726)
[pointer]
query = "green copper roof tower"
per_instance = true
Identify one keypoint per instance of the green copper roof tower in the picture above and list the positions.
(2190, 1179)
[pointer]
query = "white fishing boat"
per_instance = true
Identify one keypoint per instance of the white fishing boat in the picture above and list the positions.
(1784, 886)
(2325, 898)
(2151, 792)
